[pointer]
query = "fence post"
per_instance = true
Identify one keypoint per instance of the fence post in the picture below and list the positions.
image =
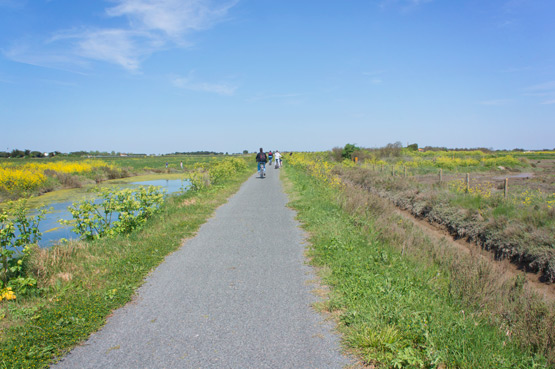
(467, 182)
(405, 168)
(506, 188)
(393, 170)
(440, 175)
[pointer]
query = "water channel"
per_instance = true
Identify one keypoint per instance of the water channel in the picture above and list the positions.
(52, 231)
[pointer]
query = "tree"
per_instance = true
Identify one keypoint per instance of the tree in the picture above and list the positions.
(245, 152)
(413, 147)
(348, 151)
(17, 153)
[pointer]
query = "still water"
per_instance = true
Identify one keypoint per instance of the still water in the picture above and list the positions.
(52, 231)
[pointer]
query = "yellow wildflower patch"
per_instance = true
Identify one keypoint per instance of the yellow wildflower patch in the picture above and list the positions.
(7, 294)
(30, 176)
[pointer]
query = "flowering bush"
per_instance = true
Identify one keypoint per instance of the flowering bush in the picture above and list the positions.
(483, 190)
(20, 180)
(7, 294)
(17, 232)
(27, 177)
(318, 167)
(118, 212)
(206, 174)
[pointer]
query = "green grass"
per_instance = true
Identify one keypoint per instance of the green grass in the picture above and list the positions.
(82, 282)
(394, 311)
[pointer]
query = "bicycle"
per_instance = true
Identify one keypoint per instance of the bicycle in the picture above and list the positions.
(262, 169)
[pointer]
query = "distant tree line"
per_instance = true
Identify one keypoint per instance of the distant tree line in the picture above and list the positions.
(350, 151)
(197, 153)
(16, 153)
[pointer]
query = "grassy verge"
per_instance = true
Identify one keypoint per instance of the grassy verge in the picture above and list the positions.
(82, 282)
(403, 304)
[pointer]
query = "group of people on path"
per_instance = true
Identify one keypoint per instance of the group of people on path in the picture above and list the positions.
(262, 158)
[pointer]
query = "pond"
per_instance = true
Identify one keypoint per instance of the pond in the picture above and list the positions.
(52, 231)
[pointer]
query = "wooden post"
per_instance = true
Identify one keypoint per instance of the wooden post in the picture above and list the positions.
(506, 188)
(467, 182)
(405, 171)
(393, 170)
(440, 175)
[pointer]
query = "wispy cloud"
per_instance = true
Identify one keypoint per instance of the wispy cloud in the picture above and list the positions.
(544, 91)
(191, 83)
(174, 18)
(375, 77)
(149, 26)
(547, 86)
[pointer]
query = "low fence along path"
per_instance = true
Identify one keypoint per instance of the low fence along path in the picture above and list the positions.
(237, 295)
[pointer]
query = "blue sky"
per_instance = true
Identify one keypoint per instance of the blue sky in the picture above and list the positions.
(185, 75)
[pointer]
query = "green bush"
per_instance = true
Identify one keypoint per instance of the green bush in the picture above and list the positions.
(130, 208)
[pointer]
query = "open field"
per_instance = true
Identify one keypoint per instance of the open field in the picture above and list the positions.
(506, 206)
(36, 176)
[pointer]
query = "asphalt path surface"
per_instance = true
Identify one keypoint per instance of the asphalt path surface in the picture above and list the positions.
(237, 295)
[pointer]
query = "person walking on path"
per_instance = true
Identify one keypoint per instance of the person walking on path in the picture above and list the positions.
(261, 160)
(270, 156)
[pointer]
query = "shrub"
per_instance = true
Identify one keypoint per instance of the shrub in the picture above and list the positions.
(119, 212)
(17, 232)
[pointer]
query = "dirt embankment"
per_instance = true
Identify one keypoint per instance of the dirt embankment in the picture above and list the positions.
(504, 267)
(528, 248)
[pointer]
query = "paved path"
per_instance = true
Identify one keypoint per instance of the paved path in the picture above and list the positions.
(235, 296)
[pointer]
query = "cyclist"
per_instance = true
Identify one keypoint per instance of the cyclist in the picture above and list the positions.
(261, 159)
(278, 159)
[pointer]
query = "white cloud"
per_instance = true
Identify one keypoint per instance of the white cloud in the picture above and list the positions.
(115, 46)
(151, 26)
(172, 17)
(549, 102)
(190, 83)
